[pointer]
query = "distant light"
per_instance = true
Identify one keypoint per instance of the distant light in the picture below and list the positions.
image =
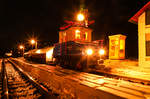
(8, 54)
(21, 47)
(32, 41)
(38, 51)
(80, 17)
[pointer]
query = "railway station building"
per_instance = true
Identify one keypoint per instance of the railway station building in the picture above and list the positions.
(142, 19)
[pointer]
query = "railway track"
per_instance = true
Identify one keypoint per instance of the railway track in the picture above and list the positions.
(18, 84)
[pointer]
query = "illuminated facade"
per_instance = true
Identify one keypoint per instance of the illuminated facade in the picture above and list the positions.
(79, 34)
(117, 46)
(142, 18)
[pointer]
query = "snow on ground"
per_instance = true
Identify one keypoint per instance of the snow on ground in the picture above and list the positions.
(127, 68)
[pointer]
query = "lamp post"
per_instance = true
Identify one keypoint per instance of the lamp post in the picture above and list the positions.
(21, 47)
(33, 42)
(83, 17)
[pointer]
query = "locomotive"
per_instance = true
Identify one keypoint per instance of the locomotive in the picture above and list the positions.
(77, 55)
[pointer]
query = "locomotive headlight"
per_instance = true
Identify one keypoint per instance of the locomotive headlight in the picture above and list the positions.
(101, 52)
(89, 51)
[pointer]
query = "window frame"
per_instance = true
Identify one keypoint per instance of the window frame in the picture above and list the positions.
(147, 16)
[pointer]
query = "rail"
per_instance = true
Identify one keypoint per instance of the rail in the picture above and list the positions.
(5, 94)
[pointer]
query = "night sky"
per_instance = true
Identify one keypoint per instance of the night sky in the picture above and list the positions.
(23, 19)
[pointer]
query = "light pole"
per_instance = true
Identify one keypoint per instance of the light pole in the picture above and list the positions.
(83, 17)
(21, 47)
(33, 42)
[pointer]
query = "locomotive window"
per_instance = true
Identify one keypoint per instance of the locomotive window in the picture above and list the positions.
(77, 34)
(85, 35)
(147, 17)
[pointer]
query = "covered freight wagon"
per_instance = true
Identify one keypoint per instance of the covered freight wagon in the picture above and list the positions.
(40, 55)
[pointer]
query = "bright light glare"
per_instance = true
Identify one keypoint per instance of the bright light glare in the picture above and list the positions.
(77, 35)
(89, 51)
(32, 41)
(49, 54)
(38, 51)
(101, 52)
(101, 81)
(8, 54)
(77, 31)
(80, 17)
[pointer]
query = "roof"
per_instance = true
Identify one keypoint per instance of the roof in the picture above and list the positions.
(117, 35)
(134, 19)
(79, 27)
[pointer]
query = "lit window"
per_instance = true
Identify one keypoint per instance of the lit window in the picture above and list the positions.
(77, 34)
(85, 35)
(122, 44)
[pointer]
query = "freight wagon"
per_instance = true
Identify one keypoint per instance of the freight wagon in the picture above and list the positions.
(40, 55)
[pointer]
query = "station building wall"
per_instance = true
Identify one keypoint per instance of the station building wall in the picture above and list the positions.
(144, 40)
